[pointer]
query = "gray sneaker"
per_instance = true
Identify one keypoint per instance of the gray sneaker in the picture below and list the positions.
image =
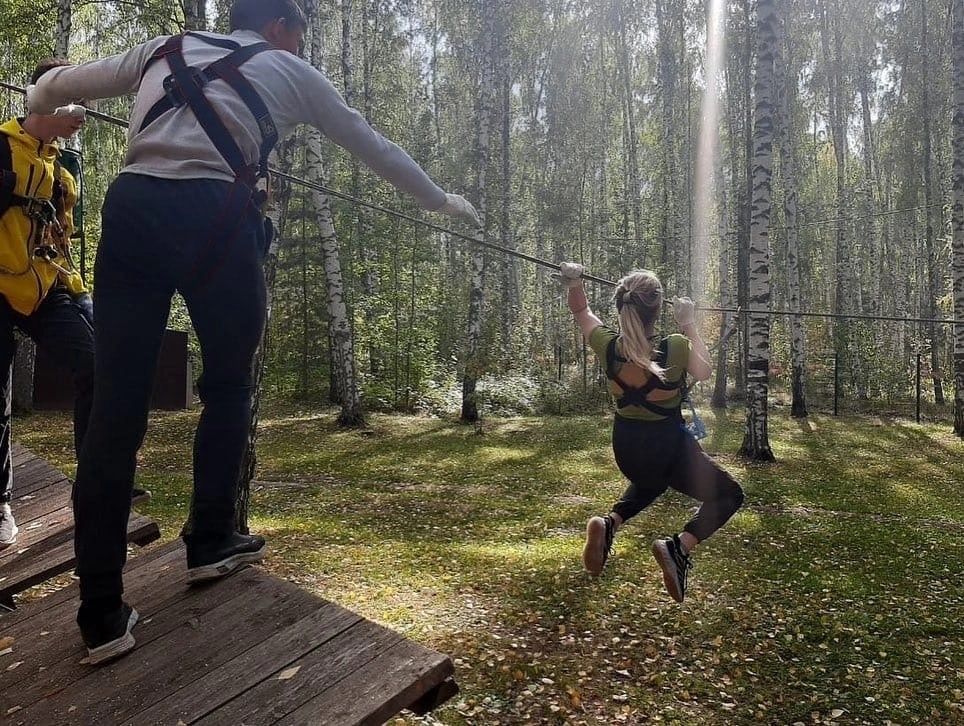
(8, 527)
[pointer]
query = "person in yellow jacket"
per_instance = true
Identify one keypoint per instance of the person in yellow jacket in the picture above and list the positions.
(41, 292)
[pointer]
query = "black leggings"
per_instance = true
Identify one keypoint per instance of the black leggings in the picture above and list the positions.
(655, 455)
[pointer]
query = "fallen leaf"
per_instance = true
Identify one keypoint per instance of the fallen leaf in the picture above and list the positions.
(836, 713)
(14, 666)
(288, 673)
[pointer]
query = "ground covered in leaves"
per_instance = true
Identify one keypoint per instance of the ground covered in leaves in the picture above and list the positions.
(835, 596)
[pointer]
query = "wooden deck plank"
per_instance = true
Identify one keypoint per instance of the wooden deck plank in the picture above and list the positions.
(378, 690)
(39, 479)
(49, 530)
(200, 633)
(27, 472)
(320, 669)
(31, 506)
(263, 661)
(41, 563)
(39, 615)
(247, 649)
(20, 455)
(55, 665)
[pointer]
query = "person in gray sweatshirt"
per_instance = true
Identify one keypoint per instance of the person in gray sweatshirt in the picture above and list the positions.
(185, 215)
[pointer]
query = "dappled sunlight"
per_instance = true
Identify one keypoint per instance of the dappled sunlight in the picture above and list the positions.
(840, 566)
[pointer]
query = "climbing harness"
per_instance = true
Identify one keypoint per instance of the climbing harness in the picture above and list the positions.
(185, 87)
(43, 213)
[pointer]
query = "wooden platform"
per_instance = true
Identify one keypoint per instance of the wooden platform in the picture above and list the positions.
(45, 544)
(248, 649)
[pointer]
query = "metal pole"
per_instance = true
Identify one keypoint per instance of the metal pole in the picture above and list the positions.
(836, 384)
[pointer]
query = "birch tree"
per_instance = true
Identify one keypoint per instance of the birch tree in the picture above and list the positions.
(958, 214)
(786, 92)
(756, 443)
(470, 409)
(343, 345)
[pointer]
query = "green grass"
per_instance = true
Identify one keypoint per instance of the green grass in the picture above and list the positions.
(835, 596)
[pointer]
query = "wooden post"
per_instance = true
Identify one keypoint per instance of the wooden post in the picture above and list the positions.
(836, 383)
(917, 415)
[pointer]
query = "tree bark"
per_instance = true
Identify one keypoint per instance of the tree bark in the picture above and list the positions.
(473, 363)
(343, 344)
(930, 309)
(756, 443)
(958, 215)
(786, 84)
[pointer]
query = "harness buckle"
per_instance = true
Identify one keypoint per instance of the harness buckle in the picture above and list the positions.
(43, 211)
(173, 91)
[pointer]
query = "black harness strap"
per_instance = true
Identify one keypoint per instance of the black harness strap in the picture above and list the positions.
(44, 211)
(185, 84)
(637, 395)
(8, 178)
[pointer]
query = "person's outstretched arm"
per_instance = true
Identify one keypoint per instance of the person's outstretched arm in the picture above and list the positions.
(109, 77)
(699, 365)
(571, 275)
(323, 107)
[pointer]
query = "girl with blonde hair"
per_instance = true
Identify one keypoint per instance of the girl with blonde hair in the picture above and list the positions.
(651, 445)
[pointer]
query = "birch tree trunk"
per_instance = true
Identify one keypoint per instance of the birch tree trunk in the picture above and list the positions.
(625, 75)
(958, 215)
(930, 308)
(786, 83)
(756, 443)
(473, 364)
(342, 344)
(195, 14)
(64, 22)
(510, 284)
(362, 222)
(838, 112)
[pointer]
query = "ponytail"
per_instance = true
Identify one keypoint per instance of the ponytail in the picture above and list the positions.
(639, 298)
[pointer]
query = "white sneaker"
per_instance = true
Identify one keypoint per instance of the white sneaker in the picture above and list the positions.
(8, 527)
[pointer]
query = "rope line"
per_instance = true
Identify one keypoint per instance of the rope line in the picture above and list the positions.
(531, 258)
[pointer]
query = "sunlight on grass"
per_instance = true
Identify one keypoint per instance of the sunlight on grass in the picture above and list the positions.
(843, 568)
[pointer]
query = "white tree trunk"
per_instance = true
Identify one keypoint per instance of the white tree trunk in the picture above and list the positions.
(788, 167)
(195, 14)
(64, 22)
(756, 443)
(958, 216)
(340, 329)
(473, 363)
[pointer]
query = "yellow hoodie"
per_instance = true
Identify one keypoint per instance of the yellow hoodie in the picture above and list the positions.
(24, 278)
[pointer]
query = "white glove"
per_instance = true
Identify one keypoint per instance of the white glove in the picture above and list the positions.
(71, 109)
(461, 208)
(684, 310)
(570, 274)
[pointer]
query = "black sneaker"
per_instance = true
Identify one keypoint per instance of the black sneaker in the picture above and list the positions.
(211, 559)
(599, 544)
(140, 496)
(8, 527)
(108, 635)
(675, 564)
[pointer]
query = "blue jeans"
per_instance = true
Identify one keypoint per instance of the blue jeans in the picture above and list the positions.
(59, 327)
(161, 236)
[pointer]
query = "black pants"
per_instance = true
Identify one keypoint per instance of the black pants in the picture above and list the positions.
(658, 455)
(59, 328)
(159, 236)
